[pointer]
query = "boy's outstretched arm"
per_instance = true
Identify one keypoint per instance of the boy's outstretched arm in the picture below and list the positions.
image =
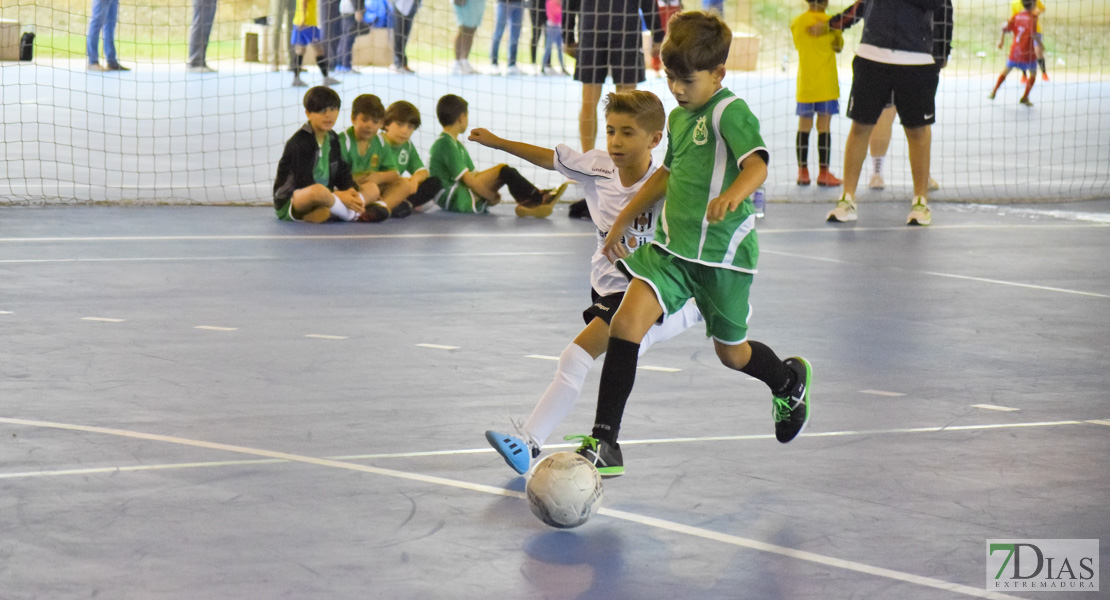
(753, 172)
(650, 193)
(541, 157)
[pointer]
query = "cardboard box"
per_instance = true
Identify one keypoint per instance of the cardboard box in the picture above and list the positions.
(9, 39)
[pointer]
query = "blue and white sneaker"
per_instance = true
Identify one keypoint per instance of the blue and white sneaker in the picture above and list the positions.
(516, 452)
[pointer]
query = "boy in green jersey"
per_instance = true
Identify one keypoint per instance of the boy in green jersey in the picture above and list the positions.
(313, 182)
(706, 248)
(470, 191)
(362, 148)
(412, 186)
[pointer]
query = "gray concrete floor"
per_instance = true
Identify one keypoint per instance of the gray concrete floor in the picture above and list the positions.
(146, 458)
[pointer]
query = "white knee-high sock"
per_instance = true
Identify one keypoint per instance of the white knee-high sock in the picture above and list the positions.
(672, 326)
(877, 164)
(341, 211)
(557, 402)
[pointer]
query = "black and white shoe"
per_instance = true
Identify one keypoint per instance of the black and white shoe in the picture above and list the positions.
(606, 458)
(791, 412)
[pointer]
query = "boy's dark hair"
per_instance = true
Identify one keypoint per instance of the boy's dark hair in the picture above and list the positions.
(402, 112)
(449, 109)
(1028, 4)
(369, 105)
(644, 107)
(321, 98)
(696, 41)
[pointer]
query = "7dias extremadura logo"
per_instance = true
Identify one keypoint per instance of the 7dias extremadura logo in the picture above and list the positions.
(1042, 565)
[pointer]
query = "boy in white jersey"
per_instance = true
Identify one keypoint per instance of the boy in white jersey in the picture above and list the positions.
(706, 248)
(634, 123)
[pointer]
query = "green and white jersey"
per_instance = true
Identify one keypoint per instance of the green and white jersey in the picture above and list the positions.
(321, 171)
(402, 159)
(704, 152)
(368, 162)
(448, 161)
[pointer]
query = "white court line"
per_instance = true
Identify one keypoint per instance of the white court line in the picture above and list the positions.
(384, 236)
(6, 312)
(541, 357)
(1100, 422)
(626, 516)
(950, 275)
(1015, 284)
(321, 336)
(438, 347)
(995, 407)
(660, 369)
(215, 328)
(881, 393)
(103, 319)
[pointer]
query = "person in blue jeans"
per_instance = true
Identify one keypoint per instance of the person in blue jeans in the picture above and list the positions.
(105, 13)
(513, 12)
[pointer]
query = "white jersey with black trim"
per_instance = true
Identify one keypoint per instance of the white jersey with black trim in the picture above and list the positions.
(606, 197)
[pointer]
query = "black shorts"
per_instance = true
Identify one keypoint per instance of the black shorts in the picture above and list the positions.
(604, 307)
(611, 43)
(914, 89)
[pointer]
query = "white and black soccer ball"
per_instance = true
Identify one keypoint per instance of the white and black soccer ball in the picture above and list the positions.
(564, 490)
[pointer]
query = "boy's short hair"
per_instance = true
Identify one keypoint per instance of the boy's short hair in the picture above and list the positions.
(696, 41)
(1028, 4)
(449, 109)
(645, 107)
(368, 105)
(402, 112)
(320, 99)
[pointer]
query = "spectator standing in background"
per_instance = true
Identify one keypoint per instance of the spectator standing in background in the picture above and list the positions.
(204, 14)
(105, 14)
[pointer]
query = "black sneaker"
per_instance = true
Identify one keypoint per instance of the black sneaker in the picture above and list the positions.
(402, 210)
(606, 458)
(791, 413)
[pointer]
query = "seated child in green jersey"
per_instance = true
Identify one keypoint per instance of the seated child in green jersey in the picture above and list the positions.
(363, 147)
(468, 191)
(313, 182)
(412, 186)
(707, 248)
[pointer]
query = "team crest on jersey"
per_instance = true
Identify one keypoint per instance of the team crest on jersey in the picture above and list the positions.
(701, 131)
(375, 160)
(403, 157)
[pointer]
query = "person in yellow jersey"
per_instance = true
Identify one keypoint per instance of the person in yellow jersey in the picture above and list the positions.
(818, 90)
(306, 33)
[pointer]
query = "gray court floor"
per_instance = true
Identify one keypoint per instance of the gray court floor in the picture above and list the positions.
(202, 402)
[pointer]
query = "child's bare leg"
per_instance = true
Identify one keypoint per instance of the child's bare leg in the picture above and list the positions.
(920, 142)
(1001, 78)
(396, 193)
(313, 203)
(490, 179)
(855, 150)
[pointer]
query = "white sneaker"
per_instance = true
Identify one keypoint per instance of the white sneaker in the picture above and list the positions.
(877, 182)
(201, 69)
(550, 71)
(329, 80)
(514, 70)
(845, 211)
(919, 213)
(933, 185)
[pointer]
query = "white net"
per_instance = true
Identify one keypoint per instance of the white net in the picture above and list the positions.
(162, 132)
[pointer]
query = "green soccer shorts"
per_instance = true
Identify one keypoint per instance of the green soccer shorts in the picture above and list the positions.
(721, 294)
(285, 211)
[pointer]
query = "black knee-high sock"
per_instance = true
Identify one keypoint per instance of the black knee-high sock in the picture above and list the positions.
(618, 375)
(1040, 61)
(322, 62)
(802, 144)
(765, 366)
(298, 61)
(824, 147)
(426, 191)
(520, 188)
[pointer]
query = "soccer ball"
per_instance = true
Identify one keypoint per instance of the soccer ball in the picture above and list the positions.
(564, 490)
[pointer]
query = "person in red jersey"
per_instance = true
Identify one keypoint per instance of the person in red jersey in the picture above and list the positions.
(1023, 54)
